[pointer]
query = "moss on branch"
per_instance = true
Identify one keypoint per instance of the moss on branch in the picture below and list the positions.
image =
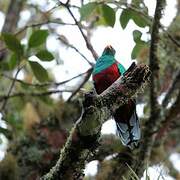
(83, 139)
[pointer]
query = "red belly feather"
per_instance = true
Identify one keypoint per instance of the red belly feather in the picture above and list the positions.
(105, 78)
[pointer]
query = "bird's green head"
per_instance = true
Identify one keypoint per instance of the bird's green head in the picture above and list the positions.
(109, 50)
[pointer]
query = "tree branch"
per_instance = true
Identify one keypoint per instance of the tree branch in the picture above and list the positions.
(11, 19)
(12, 15)
(48, 84)
(153, 59)
(73, 47)
(86, 78)
(23, 94)
(83, 138)
(36, 25)
(172, 114)
(10, 89)
(88, 44)
(154, 119)
(175, 85)
(172, 39)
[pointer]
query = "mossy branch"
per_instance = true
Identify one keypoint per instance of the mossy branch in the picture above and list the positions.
(83, 139)
(154, 119)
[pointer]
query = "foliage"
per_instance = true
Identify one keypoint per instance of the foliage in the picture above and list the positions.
(105, 13)
(37, 124)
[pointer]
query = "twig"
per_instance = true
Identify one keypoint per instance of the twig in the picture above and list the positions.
(168, 35)
(38, 24)
(10, 89)
(23, 94)
(81, 84)
(56, 84)
(172, 39)
(172, 115)
(73, 47)
(67, 2)
(43, 23)
(175, 85)
(88, 44)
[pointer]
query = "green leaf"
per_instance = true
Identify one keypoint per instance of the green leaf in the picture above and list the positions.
(124, 18)
(39, 72)
(139, 19)
(87, 10)
(37, 38)
(4, 66)
(137, 48)
(109, 15)
(137, 36)
(13, 61)
(13, 43)
(45, 55)
(136, 2)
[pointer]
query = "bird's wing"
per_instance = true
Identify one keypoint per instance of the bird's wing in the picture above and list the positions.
(121, 68)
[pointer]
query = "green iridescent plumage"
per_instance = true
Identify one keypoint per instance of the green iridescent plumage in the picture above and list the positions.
(106, 71)
(106, 60)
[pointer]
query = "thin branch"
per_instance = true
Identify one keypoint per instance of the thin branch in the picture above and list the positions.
(84, 135)
(175, 85)
(172, 115)
(73, 47)
(10, 89)
(39, 94)
(86, 78)
(148, 18)
(67, 2)
(171, 37)
(88, 44)
(56, 21)
(56, 84)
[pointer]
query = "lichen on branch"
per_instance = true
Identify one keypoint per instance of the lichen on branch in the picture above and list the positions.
(83, 139)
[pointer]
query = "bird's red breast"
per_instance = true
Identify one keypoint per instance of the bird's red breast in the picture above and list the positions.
(105, 78)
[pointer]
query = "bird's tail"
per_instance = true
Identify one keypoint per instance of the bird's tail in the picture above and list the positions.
(127, 122)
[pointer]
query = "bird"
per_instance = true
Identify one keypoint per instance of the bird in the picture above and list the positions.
(105, 72)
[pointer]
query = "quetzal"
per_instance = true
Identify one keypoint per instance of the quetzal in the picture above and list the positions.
(106, 71)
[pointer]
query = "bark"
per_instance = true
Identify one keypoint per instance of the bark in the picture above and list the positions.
(11, 20)
(154, 119)
(12, 15)
(83, 139)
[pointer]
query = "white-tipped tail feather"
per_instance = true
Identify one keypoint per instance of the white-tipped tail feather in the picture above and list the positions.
(129, 132)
